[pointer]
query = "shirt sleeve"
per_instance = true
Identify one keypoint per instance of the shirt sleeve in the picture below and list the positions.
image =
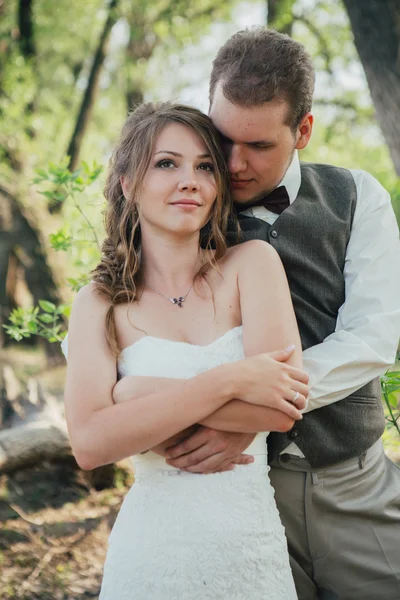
(367, 331)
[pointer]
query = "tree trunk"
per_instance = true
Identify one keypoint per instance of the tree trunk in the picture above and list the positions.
(140, 47)
(22, 247)
(280, 15)
(25, 24)
(86, 108)
(376, 30)
(28, 50)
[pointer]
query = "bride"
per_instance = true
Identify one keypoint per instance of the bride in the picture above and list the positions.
(173, 332)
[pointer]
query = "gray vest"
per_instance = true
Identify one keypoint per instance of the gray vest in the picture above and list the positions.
(311, 237)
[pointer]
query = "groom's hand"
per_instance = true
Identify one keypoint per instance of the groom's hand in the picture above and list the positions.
(210, 451)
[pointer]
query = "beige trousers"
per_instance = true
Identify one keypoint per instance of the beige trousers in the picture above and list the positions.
(343, 526)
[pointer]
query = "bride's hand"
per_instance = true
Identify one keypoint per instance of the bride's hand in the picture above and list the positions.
(267, 380)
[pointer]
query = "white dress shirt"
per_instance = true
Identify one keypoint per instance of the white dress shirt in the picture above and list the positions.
(367, 331)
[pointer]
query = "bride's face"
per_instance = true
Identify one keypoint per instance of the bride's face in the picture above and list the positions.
(179, 188)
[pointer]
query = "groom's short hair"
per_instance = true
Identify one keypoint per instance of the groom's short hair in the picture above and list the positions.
(257, 65)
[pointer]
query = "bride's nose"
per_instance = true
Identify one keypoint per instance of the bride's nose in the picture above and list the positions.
(188, 185)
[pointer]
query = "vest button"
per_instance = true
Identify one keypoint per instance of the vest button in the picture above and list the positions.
(285, 458)
(293, 434)
(274, 233)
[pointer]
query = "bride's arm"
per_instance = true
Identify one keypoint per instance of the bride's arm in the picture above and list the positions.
(102, 432)
(268, 318)
(269, 323)
(236, 415)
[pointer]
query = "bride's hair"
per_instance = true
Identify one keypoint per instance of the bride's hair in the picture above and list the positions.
(118, 276)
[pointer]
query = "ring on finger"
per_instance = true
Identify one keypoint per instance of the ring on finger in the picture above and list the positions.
(296, 397)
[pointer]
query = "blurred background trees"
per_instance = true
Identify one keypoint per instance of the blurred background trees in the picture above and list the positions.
(69, 72)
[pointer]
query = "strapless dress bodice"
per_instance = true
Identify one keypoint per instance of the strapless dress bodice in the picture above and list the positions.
(158, 357)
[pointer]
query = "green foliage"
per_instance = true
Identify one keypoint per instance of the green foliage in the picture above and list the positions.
(66, 184)
(61, 240)
(390, 384)
(48, 320)
(39, 97)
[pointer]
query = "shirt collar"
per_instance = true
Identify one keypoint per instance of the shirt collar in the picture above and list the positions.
(292, 178)
(291, 181)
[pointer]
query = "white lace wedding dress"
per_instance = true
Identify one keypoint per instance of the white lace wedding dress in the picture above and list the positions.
(184, 536)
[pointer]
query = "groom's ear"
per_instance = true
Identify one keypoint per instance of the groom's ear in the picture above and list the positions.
(304, 131)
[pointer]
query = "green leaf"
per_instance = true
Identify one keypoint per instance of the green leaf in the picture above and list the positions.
(390, 388)
(64, 309)
(47, 194)
(77, 284)
(46, 318)
(15, 334)
(390, 375)
(58, 197)
(55, 169)
(32, 327)
(47, 306)
(61, 240)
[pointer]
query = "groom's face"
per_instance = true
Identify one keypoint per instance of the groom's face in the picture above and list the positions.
(258, 142)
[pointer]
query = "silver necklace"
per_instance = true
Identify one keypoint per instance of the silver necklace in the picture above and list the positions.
(178, 301)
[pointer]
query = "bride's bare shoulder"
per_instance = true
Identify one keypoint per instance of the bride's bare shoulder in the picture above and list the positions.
(253, 251)
(90, 299)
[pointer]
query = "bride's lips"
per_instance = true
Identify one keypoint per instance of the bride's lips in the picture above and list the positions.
(186, 203)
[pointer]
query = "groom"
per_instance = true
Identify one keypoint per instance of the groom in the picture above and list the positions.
(338, 495)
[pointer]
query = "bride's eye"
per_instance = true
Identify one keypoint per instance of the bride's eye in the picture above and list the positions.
(166, 163)
(207, 167)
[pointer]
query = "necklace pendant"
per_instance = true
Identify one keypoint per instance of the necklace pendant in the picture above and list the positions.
(178, 301)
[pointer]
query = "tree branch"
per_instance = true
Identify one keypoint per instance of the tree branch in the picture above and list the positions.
(280, 15)
(323, 44)
(88, 99)
(26, 31)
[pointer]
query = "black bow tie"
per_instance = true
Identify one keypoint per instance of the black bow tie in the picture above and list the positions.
(276, 201)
